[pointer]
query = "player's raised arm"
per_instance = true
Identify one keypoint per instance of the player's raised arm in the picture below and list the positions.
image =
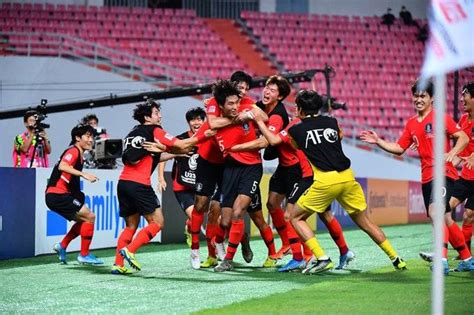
(372, 137)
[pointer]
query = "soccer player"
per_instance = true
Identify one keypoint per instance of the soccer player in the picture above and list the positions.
(183, 172)
(136, 196)
(209, 171)
(242, 170)
(419, 131)
(64, 196)
(298, 188)
(319, 137)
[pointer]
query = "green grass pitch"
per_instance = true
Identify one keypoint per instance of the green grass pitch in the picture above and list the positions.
(168, 285)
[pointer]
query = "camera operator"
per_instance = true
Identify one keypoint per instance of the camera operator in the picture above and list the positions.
(100, 133)
(32, 147)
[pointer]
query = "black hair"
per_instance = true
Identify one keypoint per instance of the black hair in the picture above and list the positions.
(428, 89)
(196, 112)
(240, 76)
(309, 101)
(145, 109)
(469, 88)
(28, 114)
(223, 89)
(80, 130)
(283, 85)
(89, 117)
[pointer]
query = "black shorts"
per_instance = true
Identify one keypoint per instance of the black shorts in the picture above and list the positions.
(136, 198)
(284, 179)
(299, 188)
(66, 205)
(208, 176)
(464, 189)
(185, 198)
(217, 195)
(428, 196)
(240, 179)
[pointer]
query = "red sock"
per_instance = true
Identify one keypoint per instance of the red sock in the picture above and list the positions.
(278, 219)
(467, 231)
(337, 235)
(124, 239)
(235, 235)
(456, 238)
(188, 225)
(211, 231)
(196, 221)
(267, 235)
(220, 234)
(445, 241)
(307, 252)
(74, 232)
(144, 236)
(295, 243)
(87, 231)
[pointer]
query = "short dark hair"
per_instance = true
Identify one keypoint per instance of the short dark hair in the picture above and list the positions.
(89, 117)
(223, 89)
(145, 109)
(309, 101)
(28, 114)
(428, 89)
(196, 112)
(282, 83)
(241, 76)
(80, 130)
(469, 88)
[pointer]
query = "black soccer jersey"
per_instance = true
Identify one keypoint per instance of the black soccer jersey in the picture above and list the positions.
(319, 138)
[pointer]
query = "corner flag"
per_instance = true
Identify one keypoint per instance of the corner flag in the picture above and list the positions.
(451, 41)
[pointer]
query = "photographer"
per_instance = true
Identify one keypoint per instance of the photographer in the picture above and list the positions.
(32, 147)
(90, 160)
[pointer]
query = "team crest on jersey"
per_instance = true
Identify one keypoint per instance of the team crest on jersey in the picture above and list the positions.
(429, 128)
(198, 187)
(192, 162)
(246, 127)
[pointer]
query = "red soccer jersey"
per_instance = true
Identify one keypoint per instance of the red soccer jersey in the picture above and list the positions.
(71, 156)
(141, 172)
(422, 134)
(231, 135)
(468, 127)
(306, 169)
(286, 153)
(209, 149)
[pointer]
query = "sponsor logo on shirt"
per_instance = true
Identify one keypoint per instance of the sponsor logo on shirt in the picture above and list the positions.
(316, 136)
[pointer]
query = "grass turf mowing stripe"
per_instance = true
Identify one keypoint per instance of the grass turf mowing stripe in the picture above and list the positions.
(167, 284)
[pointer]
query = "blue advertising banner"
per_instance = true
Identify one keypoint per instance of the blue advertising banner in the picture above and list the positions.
(17, 212)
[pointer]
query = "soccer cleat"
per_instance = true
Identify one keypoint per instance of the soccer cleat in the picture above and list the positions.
(428, 257)
(465, 265)
(130, 258)
(445, 267)
(270, 262)
(120, 270)
(220, 250)
(225, 265)
(345, 259)
(195, 260)
(283, 251)
(318, 266)
(89, 260)
(293, 265)
(209, 262)
(61, 252)
(188, 237)
(247, 253)
(399, 263)
(309, 258)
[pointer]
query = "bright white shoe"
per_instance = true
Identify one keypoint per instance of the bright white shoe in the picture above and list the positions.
(220, 249)
(195, 259)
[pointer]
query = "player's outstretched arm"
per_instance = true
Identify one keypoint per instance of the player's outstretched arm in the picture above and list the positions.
(372, 137)
(65, 167)
(462, 141)
(253, 145)
(273, 139)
